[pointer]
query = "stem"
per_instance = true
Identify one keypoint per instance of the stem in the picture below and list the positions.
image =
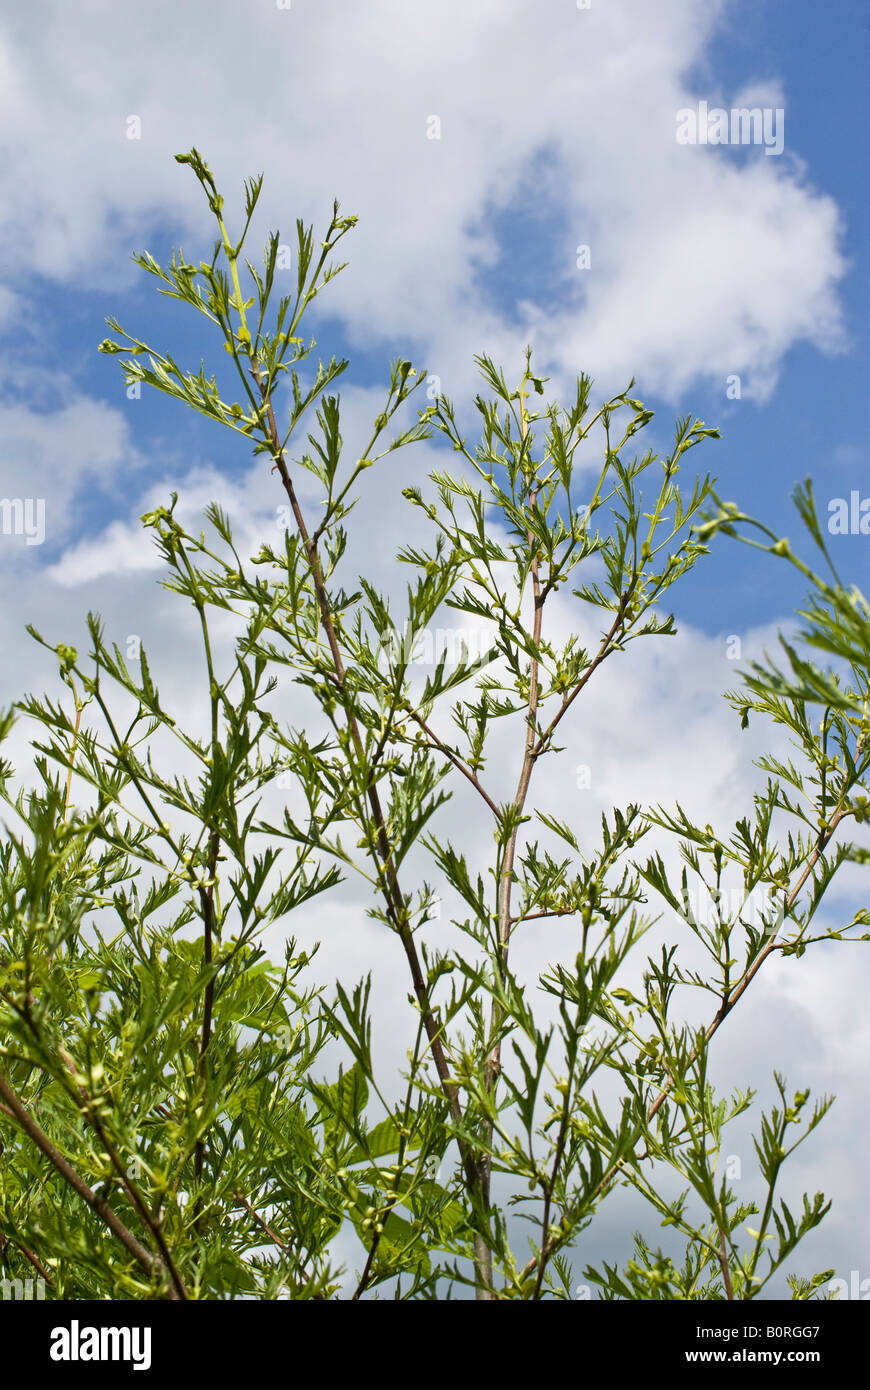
(603, 652)
(274, 1237)
(395, 901)
(207, 891)
(713, 1027)
(69, 776)
(19, 1245)
(152, 1265)
(454, 758)
(548, 1191)
(376, 1239)
(149, 1219)
(492, 1066)
(722, 1253)
(206, 897)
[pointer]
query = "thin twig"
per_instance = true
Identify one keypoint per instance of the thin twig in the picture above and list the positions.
(206, 896)
(275, 1238)
(550, 912)
(603, 652)
(722, 1254)
(394, 897)
(718, 1019)
(264, 1225)
(148, 1218)
(492, 1066)
(456, 761)
(152, 1264)
(551, 1182)
(69, 776)
(28, 1254)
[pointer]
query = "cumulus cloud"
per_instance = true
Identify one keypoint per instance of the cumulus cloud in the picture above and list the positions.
(50, 457)
(703, 263)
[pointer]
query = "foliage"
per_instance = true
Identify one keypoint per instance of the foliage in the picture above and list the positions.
(167, 1128)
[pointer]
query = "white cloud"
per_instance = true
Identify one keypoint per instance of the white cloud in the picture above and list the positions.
(702, 264)
(119, 549)
(53, 455)
(10, 304)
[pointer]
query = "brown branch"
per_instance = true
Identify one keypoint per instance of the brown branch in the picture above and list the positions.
(395, 901)
(152, 1264)
(550, 912)
(364, 1277)
(264, 1225)
(456, 761)
(274, 1237)
(148, 1218)
(603, 652)
(36, 1263)
(722, 1254)
(721, 1014)
(206, 897)
(19, 1244)
(492, 1066)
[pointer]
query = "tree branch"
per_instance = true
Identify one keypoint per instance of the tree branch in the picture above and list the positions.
(395, 900)
(492, 1065)
(152, 1264)
(206, 897)
(603, 652)
(713, 1027)
(455, 760)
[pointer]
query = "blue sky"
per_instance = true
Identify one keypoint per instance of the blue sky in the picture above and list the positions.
(818, 420)
(814, 420)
